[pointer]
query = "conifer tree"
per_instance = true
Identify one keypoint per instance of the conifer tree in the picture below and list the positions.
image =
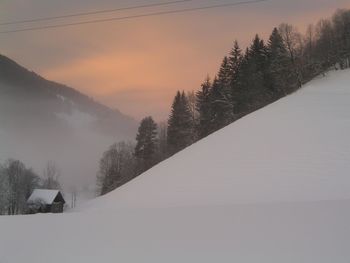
(203, 106)
(145, 149)
(235, 63)
(279, 64)
(224, 75)
(235, 60)
(255, 78)
(221, 97)
(180, 126)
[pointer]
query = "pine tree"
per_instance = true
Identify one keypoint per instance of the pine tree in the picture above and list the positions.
(145, 149)
(254, 79)
(224, 75)
(221, 97)
(203, 106)
(257, 53)
(180, 126)
(234, 61)
(235, 64)
(241, 88)
(279, 65)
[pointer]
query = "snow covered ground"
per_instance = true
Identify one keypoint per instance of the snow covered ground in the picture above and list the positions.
(272, 187)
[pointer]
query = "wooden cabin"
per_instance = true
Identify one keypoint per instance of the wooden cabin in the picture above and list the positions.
(45, 201)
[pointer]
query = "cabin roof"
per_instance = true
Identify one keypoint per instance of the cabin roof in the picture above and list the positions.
(43, 195)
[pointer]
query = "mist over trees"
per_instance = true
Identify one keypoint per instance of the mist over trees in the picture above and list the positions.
(246, 81)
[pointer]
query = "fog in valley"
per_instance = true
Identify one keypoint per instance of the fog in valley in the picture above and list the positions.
(43, 121)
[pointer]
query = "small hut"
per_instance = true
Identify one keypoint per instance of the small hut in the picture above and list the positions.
(45, 201)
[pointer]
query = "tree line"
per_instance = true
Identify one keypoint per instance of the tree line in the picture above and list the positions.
(17, 183)
(246, 81)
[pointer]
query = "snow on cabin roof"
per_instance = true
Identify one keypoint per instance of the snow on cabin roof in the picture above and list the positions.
(43, 195)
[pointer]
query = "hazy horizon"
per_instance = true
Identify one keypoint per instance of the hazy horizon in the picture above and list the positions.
(137, 65)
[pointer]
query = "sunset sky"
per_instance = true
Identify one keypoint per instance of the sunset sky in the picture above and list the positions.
(137, 65)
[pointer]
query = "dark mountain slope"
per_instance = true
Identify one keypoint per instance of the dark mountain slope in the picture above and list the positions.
(41, 120)
(25, 94)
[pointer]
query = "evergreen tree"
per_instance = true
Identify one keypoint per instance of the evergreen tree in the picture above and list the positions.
(254, 77)
(241, 87)
(203, 106)
(234, 61)
(235, 64)
(224, 75)
(145, 149)
(221, 97)
(180, 126)
(279, 65)
(257, 54)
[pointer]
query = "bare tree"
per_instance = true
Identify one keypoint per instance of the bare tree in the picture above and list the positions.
(73, 191)
(310, 40)
(291, 38)
(162, 152)
(293, 41)
(341, 24)
(51, 176)
(4, 191)
(325, 42)
(117, 166)
(16, 184)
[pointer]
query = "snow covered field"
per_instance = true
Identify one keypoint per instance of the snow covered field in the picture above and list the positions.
(272, 187)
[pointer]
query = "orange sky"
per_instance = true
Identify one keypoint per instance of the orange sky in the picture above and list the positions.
(137, 66)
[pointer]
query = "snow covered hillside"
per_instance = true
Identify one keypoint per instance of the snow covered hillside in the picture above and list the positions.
(272, 187)
(297, 149)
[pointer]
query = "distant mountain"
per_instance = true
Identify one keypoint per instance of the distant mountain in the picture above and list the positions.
(25, 94)
(42, 120)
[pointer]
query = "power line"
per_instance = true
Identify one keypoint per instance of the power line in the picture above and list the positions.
(92, 12)
(134, 16)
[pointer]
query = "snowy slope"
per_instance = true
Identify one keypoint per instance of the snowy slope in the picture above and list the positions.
(297, 149)
(272, 187)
